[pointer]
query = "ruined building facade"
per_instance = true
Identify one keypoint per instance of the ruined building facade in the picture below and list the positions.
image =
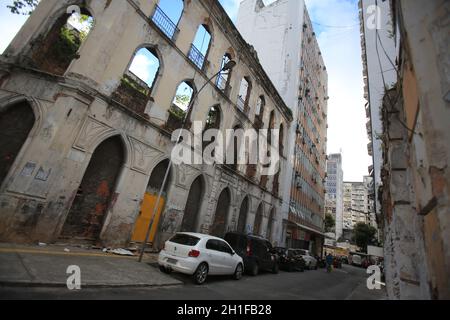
(85, 140)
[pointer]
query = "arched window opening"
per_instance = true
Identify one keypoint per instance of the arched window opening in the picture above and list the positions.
(16, 122)
(219, 226)
(167, 16)
(258, 221)
(281, 144)
(243, 213)
(271, 128)
(213, 120)
(149, 202)
(236, 146)
(61, 44)
(244, 94)
(200, 46)
(180, 106)
(270, 225)
(137, 83)
(224, 78)
(259, 112)
(93, 199)
(191, 212)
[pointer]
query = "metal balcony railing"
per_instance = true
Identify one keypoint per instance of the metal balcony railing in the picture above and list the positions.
(167, 26)
(196, 57)
(221, 83)
(241, 103)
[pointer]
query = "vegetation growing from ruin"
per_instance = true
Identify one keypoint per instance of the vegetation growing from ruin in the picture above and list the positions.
(126, 81)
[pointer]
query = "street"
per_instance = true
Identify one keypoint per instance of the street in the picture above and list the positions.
(348, 283)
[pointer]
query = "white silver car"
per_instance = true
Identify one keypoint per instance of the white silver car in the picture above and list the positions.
(310, 261)
(200, 255)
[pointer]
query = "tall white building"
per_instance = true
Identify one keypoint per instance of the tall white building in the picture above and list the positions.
(378, 55)
(334, 198)
(283, 37)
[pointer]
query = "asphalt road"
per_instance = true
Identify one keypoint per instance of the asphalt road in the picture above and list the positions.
(348, 283)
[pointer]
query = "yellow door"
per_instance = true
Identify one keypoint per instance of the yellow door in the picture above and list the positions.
(145, 215)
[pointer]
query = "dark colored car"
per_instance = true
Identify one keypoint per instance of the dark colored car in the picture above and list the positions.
(257, 253)
(289, 260)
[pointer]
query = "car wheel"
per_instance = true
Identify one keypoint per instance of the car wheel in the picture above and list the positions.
(165, 270)
(276, 268)
(201, 274)
(239, 272)
(254, 270)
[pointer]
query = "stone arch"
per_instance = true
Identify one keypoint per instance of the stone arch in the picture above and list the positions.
(193, 205)
(244, 211)
(55, 50)
(259, 216)
(154, 50)
(222, 212)
(90, 207)
(271, 224)
(128, 147)
(17, 121)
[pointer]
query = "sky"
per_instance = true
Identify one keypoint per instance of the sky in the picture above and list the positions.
(337, 27)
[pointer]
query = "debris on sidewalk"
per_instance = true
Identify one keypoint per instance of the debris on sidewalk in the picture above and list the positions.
(121, 252)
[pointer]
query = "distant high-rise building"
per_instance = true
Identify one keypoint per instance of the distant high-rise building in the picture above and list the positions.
(359, 203)
(283, 37)
(334, 198)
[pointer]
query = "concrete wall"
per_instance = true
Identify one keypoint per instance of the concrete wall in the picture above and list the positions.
(416, 192)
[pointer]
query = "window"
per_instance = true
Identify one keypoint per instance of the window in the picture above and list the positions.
(244, 94)
(223, 79)
(167, 16)
(143, 70)
(260, 107)
(200, 46)
(61, 44)
(180, 105)
(138, 81)
(213, 119)
(185, 240)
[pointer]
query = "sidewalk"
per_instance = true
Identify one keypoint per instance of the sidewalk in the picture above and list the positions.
(46, 266)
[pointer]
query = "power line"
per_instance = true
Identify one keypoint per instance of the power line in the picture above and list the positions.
(337, 27)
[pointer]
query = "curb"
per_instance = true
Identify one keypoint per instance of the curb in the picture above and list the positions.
(27, 284)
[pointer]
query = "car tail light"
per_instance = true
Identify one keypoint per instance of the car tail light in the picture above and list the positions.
(194, 254)
(249, 249)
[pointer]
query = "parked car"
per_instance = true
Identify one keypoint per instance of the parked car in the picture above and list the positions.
(200, 255)
(257, 253)
(289, 260)
(356, 260)
(310, 261)
(344, 260)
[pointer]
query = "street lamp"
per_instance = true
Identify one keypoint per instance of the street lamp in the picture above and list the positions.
(228, 66)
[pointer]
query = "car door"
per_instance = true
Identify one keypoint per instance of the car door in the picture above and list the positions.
(215, 257)
(229, 263)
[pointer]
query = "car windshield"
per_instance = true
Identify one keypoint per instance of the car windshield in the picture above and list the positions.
(185, 239)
